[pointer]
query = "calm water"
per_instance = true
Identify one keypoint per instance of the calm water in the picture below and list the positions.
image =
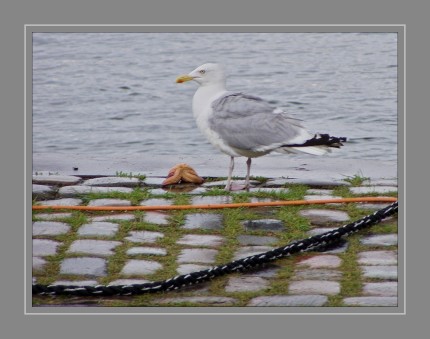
(115, 93)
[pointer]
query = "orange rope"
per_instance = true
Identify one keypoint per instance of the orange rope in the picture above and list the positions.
(215, 206)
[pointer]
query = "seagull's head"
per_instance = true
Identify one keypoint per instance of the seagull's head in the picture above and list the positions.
(205, 75)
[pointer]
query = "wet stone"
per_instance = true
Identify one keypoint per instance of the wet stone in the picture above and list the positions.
(380, 240)
(52, 216)
(44, 247)
(256, 240)
(62, 202)
(323, 217)
(106, 229)
(246, 284)
(84, 266)
(320, 197)
(38, 263)
(339, 246)
(71, 191)
(58, 180)
(94, 247)
(113, 217)
(189, 268)
(158, 218)
(203, 221)
(42, 191)
(372, 189)
(267, 271)
(144, 236)
(213, 301)
(317, 274)
(154, 181)
(109, 202)
(289, 300)
(197, 255)
(321, 261)
(268, 225)
(314, 287)
(382, 289)
(250, 250)
(223, 183)
(320, 230)
(370, 301)
(147, 251)
(369, 206)
(377, 258)
(50, 228)
(139, 267)
(156, 202)
(277, 182)
(201, 240)
(124, 282)
(319, 183)
(211, 200)
(269, 190)
(112, 182)
(380, 272)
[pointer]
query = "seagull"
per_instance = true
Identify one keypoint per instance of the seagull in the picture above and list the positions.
(242, 125)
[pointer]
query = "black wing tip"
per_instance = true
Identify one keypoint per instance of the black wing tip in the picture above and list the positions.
(322, 140)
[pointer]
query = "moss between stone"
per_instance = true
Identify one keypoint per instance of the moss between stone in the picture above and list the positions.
(297, 227)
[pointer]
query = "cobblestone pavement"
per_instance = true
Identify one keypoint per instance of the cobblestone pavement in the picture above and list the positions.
(91, 248)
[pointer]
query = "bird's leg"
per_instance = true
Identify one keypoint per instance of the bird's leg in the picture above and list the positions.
(230, 173)
(248, 172)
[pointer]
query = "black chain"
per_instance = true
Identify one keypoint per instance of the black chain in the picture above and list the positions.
(311, 243)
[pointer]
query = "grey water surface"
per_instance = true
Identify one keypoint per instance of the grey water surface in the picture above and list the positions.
(114, 94)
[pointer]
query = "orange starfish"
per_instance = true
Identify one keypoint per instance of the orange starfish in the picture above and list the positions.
(182, 173)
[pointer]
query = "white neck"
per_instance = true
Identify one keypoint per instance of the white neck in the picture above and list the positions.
(204, 95)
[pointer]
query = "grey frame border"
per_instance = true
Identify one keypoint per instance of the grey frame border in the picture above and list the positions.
(401, 140)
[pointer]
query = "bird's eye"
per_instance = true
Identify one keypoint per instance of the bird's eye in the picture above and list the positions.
(202, 71)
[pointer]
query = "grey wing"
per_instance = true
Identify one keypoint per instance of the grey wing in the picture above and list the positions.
(249, 123)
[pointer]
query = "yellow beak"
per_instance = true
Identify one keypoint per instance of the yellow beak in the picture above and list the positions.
(183, 78)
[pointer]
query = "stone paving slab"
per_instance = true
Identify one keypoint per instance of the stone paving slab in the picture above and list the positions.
(207, 221)
(383, 289)
(43, 192)
(256, 240)
(100, 248)
(140, 267)
(323, 217)
(289, 300)
(85, 266)
(38, 263)
(370, 301)
(380, 272)
(53, 216)
(197, 255)
(112, 182)
(380, 240)
(247, 251)
(50, 228)
(113, 217)
(321, 261)
(272, 225)
(44, 247)
(377, 258)
(314, 287)
(211, 200)
(56, 180)
(159, 218)
(147, 251)
(372, 189)
(201, 240)
(189, 268)
(62, 202)
(246, 284)
(71, 191)
(156, 202)
(109, 202)
(144, 236)
(317, 274)
(100, 228)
